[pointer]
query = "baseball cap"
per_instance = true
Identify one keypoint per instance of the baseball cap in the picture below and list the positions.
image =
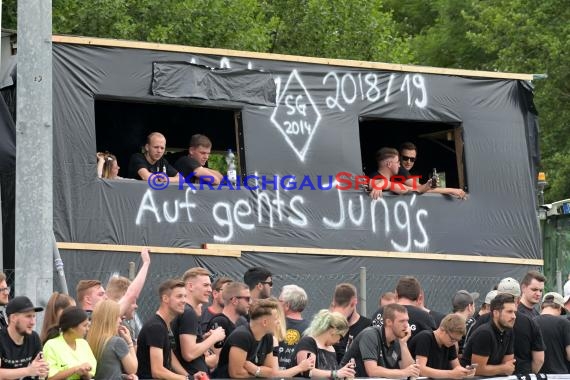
(555, 298)
(21, 304)
(462, 298)
(510, 286)
(490, 296)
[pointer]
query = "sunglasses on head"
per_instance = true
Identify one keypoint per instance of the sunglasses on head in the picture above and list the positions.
(407, 158)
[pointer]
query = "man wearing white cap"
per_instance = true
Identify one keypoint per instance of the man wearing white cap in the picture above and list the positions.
(529, 345)
(556, 332)
(20, 346)
(485, 309)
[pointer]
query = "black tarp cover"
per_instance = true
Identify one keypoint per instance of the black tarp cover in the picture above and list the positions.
(326, 102)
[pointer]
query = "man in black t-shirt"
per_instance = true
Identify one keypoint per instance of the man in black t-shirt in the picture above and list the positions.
(556, 333)
(191, 345)
(491, 347)
(248, 351)
(528, 343)
(20, 345)
(382, 351)
(237, 300)
(345, 301)
(408, 291)
(142, 166)
(156, 341)
(293, 299)
(193, 166)
(217, 304)
(435, 351)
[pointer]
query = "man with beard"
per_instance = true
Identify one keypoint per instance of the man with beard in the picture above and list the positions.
(154, 348)
(4, 295)
(491, 347)
(193, 166)
(259, 281)
(345, 301)
(191, 343)
(529, 345)
(20, 346)
(382, 351)
(237, 301)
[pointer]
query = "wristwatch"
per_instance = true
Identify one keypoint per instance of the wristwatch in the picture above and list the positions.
(258, 372)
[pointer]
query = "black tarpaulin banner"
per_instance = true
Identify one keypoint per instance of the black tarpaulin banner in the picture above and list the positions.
(182, 79)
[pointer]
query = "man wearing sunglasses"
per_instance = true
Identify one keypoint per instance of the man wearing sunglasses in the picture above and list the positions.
(408, 155)
(259, 281)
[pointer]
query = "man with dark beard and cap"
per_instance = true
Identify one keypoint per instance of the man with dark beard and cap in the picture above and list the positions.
(491, 347)
(20, 346)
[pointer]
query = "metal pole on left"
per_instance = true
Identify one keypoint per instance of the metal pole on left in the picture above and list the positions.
(34, 154)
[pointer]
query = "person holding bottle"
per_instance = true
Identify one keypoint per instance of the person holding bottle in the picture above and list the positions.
(194, 165)
(152, 161)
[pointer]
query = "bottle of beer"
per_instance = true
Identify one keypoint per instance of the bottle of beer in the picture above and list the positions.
(231, 162)
(434, 178)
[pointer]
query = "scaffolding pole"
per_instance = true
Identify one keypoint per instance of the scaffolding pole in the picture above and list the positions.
(34, 154)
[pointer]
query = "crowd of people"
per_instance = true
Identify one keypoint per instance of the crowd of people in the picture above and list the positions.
(393, 171)
(237, 329)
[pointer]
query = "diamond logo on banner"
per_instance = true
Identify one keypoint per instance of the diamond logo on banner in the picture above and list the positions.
(296, 115)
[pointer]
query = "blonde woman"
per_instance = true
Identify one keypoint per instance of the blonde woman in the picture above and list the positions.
(279, 334)
(107, 166)
(326, 329)
(111, 343)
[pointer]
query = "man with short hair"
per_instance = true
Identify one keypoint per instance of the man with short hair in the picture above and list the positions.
(142, 166)
(20, 345)
(408, 290)
(345, 301)
(191, 343)
(491, 347)
(435, 351)
(387, 298)
(4, 298)
(556, 333)
(293, 300)
(532, 286)
(237, 301)
(408, 156)
(248, 351)
(193, 166)
(259, 281)
(154, 348)
(382, 351)
(125, 292)
(217, 304)
(89, 293)
(529, 345)
(388, 162)
(463, 303)
(485, 309)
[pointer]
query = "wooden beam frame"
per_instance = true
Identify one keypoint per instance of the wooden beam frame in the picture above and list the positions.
(227, 252)
(235, 250)
(288, 58)
(379, 254)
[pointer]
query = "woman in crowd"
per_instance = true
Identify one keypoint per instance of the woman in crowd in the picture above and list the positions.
(111, 342)
(326, 329)
(66, 350)
(107, 166)
(55, 306)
